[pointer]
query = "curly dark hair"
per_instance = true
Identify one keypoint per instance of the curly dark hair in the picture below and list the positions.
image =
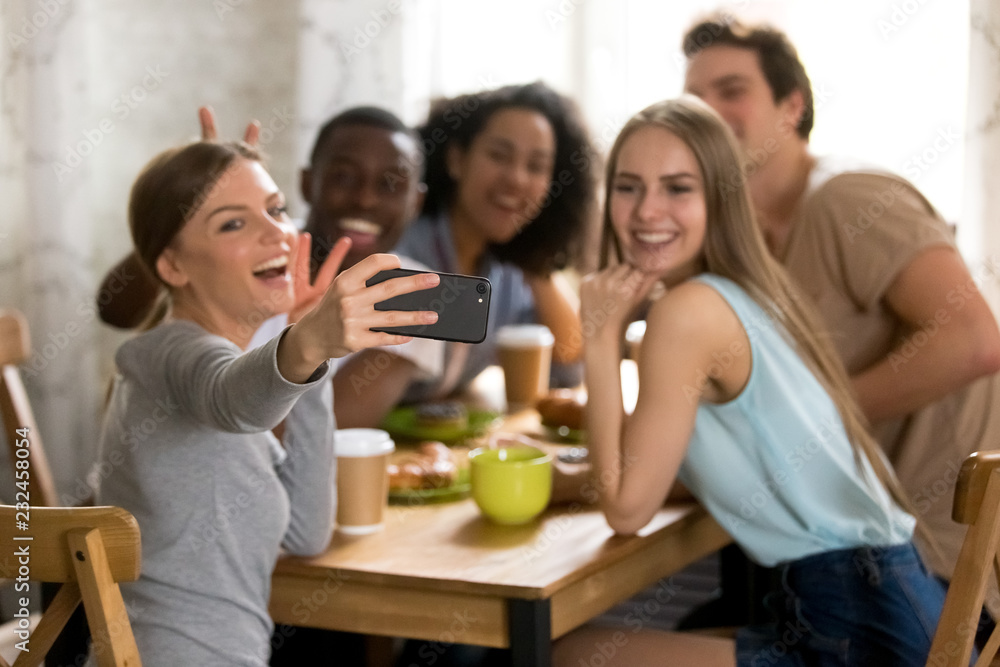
(779, 61)
(557, 236)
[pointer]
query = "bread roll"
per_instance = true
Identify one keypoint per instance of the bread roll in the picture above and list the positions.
(562, 407)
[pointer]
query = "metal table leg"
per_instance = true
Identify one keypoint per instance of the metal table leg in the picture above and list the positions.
(530, 623)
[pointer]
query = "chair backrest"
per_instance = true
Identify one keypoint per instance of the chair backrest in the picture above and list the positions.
(87, 549)
(977, 504)
(23, 439)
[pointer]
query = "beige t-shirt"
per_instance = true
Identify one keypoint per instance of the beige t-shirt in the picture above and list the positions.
(854, 232)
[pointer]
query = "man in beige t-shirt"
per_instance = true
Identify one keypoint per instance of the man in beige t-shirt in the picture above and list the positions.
(919, 341)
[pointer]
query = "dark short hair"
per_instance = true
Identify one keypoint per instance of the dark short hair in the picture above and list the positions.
(370, 116)
(779, 61)
(557, 236)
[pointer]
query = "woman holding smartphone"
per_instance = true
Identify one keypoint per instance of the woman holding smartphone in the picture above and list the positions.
(188, 426)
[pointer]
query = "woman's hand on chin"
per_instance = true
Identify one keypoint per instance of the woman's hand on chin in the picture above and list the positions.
(609, 298)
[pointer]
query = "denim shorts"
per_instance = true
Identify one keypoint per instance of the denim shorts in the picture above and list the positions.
(866, 606)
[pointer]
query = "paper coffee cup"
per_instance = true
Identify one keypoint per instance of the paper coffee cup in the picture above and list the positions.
(362, 481)
(525, 352)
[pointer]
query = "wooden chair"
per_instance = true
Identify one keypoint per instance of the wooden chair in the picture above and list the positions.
(89, 550)
(18, 421)
(977, 504)
(15, 412)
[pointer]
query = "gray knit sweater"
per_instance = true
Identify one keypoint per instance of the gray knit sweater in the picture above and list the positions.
(186, 447)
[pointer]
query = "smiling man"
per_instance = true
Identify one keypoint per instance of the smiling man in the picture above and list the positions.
(877, 259)
(363, 182)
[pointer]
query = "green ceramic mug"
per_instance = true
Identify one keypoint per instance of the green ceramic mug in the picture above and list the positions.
(511, 485)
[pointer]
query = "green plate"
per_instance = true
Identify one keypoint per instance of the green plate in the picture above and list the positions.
(413, 497)
(402, 423)
(566, 434)
(426, 496)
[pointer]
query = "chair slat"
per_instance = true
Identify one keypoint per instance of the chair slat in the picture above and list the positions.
(990, 650)
(15, 410)
(53, 621)
(16, 414)
(971, 485)
(15, 345)
(112, 641)
(977, 502)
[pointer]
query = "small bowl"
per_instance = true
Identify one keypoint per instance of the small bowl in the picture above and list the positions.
(511, 485)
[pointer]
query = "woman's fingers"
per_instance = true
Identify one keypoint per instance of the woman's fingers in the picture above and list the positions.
(361, 313)
(209, 131)
(252, 134)
(327, 272)
(337, 254)
(206, 117)
(355, 278)
(403, 285)
(303, 249)
(608, 297)
(354, 281)
(635, 283)
(401, 318)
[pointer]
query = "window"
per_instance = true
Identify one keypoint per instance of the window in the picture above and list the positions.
(884, 93)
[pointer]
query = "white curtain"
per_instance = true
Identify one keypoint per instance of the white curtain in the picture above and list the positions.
(980, 228)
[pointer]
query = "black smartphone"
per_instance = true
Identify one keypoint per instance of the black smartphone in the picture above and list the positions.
(461, 302)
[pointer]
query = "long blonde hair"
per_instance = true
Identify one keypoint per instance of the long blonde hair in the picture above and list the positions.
(735, 249)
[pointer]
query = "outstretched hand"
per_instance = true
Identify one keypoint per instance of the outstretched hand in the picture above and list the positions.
(206, 116)
(342, 320)
(346, 313)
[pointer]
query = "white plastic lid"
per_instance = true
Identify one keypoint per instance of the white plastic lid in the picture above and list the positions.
(524, 335)
(360, 442)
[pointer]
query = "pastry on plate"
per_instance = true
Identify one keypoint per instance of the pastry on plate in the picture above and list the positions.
(444, 414)
(431, 466)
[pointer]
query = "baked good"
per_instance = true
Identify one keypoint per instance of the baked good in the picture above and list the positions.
(431, 466)
(450, 414)
(563, 407)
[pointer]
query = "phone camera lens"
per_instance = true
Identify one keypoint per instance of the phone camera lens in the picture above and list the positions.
(481, 288)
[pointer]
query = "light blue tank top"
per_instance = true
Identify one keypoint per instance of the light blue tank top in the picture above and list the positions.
(774, 465)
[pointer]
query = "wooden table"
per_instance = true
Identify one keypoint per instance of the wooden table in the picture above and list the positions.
(444, 573)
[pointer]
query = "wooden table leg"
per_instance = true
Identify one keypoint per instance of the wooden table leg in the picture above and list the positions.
(530, 623)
